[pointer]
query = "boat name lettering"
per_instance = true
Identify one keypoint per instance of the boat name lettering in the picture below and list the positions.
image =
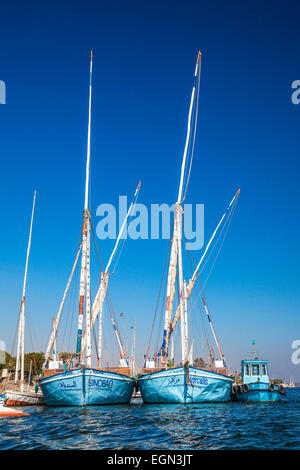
(199, 380)
(68, 385)
(173, 381)
(101, 383)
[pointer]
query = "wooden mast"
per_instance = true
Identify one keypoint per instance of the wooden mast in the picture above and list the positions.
(176, 251)
(97, 308)
(21, 330)
(84, 291)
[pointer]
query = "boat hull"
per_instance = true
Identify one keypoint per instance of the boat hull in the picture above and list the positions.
(258, 392)
(182, 385)
(14, 398)
(6, 412)
(83, 387)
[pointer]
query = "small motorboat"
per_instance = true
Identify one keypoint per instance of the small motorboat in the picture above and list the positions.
(6, 412)
(25, 398)
(256, 385)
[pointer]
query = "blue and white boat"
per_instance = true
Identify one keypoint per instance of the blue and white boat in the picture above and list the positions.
(160, 381)
(81, 387)
(78, 382)
(185, 384)
(256, 385)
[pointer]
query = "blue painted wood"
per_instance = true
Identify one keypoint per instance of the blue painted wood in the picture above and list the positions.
(176, 385)
(88, 386)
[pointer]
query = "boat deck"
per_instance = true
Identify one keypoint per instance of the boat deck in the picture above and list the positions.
(116, 370)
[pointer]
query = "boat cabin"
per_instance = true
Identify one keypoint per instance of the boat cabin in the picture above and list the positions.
(255, 371)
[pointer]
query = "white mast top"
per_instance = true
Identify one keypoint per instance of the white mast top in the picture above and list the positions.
(86, 199)
(28, 247)
(188, 133)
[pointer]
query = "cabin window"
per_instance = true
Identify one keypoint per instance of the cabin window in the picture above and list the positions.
(246, 370)
(255, 369)
(263, 369)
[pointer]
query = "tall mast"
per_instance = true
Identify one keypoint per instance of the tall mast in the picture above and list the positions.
(176, 244)
(97, 307)
(21, 331)
(182, 292)
(85, 259)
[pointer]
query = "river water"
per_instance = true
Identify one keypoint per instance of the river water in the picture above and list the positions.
(137, 426)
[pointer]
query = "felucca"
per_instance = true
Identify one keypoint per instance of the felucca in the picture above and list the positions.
(82, 384)
(161, 381)
(20, 394)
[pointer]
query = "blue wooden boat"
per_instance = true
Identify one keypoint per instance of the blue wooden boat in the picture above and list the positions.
(76, 382)
(161, 382)
(185, 384)
(82, 387)
(256, 385)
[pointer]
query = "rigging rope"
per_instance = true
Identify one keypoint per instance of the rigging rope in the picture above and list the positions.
(73, 309)
(206, 334)
(158, 298)
(229, 217)
(222, 242)
(129, 215)
(113, 316)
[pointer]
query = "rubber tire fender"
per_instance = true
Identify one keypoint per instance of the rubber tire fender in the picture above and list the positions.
(282, 390)
(271, 388)
(246, 387)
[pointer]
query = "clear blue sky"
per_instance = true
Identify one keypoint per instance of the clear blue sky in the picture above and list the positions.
(248, 137)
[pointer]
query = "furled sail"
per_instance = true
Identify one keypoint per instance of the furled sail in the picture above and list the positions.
(176, 240)
(190, 285)
(97, 308)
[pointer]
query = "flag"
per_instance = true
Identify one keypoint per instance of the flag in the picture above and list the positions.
(122, 314)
